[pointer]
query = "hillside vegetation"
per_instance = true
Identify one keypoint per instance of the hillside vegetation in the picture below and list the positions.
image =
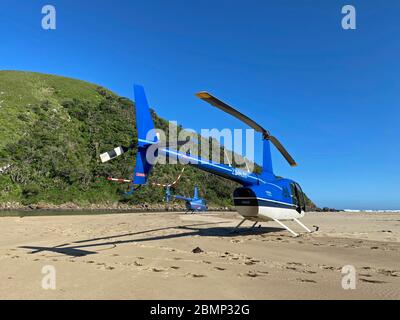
(52, 131)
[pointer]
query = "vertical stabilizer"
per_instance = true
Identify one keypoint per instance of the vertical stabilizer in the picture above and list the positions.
(145, 126)
(267, 171)
(196, 193)
(168, 194)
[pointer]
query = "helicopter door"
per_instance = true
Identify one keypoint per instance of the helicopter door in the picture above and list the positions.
(298, 197)
(301, 198)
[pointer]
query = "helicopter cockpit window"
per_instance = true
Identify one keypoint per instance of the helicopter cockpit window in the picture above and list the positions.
(285, 192)
(294, 194)
(301, 198)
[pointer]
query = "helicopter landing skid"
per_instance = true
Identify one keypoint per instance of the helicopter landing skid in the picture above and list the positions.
(236, 229)
(290, 230)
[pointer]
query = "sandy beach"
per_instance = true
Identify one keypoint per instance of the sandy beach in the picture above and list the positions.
(149, 256)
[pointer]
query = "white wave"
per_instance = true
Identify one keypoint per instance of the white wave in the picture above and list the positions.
(370, 211)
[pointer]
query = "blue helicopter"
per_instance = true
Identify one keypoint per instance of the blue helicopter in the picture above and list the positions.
(195, 204)
(263, 197)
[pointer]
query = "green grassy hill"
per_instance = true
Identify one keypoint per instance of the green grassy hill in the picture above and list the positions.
(52, 131)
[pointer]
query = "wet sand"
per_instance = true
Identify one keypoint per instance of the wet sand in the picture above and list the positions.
(149, 256)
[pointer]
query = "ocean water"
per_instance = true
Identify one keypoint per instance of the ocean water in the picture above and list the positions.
(372, 211)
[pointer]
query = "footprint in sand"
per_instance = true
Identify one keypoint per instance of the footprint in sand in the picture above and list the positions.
(255, 274)
(327, 267)
(263, 272)
(309, 272)
(137, 264)
(291, 268)
(372, 281)
(251, 261)
(105, 267)
(306, 280)
(156, 270)
(195, 275)
(389, 273)
(296, 263)
(219, 268)
(365, 275)
(252, 274)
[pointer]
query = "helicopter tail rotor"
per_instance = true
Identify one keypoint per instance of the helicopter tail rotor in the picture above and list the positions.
(115, 153)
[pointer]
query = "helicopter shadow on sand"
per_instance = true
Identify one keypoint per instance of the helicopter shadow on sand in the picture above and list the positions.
(82, 247)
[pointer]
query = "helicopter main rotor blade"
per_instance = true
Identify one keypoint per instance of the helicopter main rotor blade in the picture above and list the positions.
(283, 151)
(228, 109)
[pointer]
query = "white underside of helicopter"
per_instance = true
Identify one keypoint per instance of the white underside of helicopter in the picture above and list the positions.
(260, 213)
(264, 213)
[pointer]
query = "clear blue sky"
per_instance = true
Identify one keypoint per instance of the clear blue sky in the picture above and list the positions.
(330, 95)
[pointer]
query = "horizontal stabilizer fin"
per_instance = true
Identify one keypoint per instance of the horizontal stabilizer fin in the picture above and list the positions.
(182, 198)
